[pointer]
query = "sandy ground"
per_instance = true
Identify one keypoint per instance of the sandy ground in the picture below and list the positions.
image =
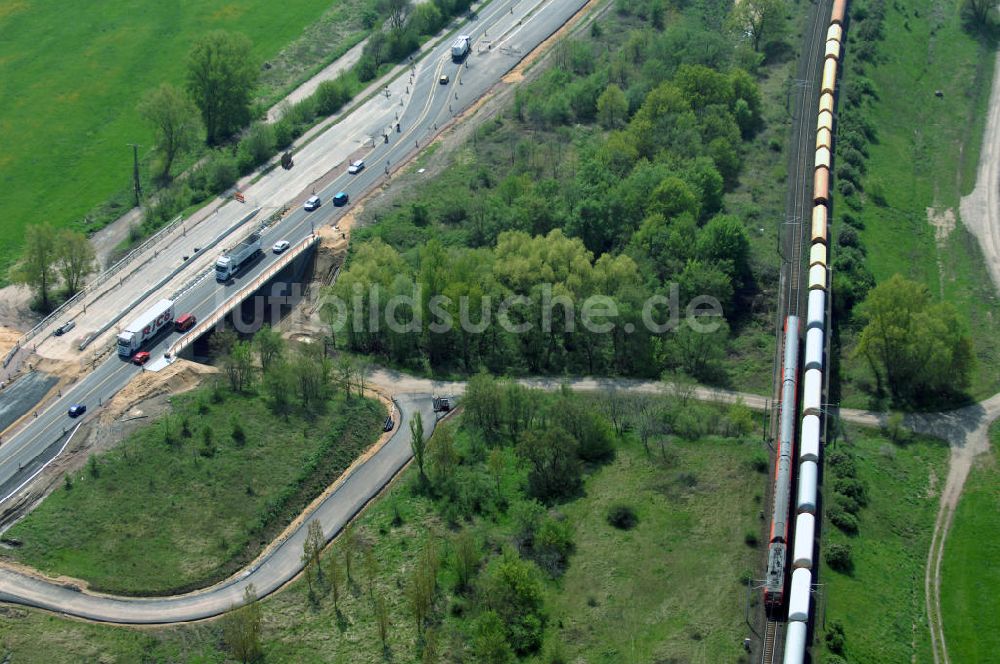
(8, 337)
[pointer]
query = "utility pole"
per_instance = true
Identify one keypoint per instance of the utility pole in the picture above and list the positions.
(136, 186)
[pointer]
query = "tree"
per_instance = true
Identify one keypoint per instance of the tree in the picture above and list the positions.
(612, 107)
(417, 442)
(914, 346)
(312, 547)
(761, 21)
(496, 464)
(489, 641)
(241, 628)
(979, 15)
(397, 11)
(270, 346)
(349, 542)
(483, 405)
(238, 365)
(76, 259)
(221, 75)
(513, 590)
(173, 117)
(838, 557)
(371, 569)
(382, 620)
(38, 268)
(279, 386)
(555, 471)
(336, 577)
(423, 584)
(466, 558)
(443, 457)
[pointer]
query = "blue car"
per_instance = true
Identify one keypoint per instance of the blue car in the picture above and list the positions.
(77, 409)
(340, 199)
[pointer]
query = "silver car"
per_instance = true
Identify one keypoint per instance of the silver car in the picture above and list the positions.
(356, 167)
(313, 203)
(280, 246)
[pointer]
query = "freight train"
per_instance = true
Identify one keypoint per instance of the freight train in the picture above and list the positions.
(803, 548)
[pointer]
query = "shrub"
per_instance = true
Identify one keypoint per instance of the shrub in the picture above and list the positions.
(848, 237)
(750, 538)
(623, 517)
(838, 557)
(841, 463)
(835, 637)
(552, 545)
(843, 519)
(257, 147)
(239, 436)
(759, 462)
(331, 96)
(852, 488)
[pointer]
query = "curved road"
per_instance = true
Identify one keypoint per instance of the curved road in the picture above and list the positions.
(277, 566)
(511, 29)
(965, 429)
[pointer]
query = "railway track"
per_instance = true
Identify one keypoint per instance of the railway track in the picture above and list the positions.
(769, 652)
(794, 234)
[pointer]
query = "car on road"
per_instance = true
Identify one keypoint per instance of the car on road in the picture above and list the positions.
(280, 246)
(444, 79)
(140, 358)
(356, 167)
(340, 199)
(312, 203)
(185, 322)
(389, 424)
(64, 328)
(77, 409)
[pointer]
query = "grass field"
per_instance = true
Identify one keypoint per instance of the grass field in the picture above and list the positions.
(926, 156)
(73, 74)
(152, 518)
(970, 592)
(881, 603)
(671, 587)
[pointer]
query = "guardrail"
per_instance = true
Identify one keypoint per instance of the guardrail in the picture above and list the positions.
(173, 273)
(203, 326)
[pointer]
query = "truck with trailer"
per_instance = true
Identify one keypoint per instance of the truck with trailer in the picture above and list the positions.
(460, 48)
(145, 327)
(230, 263)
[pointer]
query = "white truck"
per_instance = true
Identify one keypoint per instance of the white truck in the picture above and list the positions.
(460, 48)
(144, 327)
(230, 263)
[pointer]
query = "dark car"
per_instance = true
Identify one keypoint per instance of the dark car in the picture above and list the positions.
(340, 199)
(64, 328)
(77, 409)
(388, 424)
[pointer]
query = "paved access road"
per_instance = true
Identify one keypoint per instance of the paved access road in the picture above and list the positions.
(275, 568)
(501, 35)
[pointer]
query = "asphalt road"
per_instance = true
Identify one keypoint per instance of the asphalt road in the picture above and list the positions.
(501, 35)
(276, 567)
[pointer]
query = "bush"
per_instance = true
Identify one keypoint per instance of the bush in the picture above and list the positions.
(838, 557)
(848, 237)
(330, 96)
(553, 544)
(257, 147)
(750, 538)
(239, 436)
(284, 133)
(623, 517)
(835, 637)
(841, 463)
(759, 462)
(852, 488)
(843, 519)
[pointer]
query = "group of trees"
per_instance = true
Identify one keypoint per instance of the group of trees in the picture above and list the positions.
(918, 349)
(306, 376)
(632, 214)
(54, 260)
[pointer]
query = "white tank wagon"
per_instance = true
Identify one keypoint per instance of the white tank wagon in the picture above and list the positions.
(795, 642)
(812, 392)
(809, 445)
(816, 311)
(798, 603)
(805, 532)
(808, 474)
(814, 348)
